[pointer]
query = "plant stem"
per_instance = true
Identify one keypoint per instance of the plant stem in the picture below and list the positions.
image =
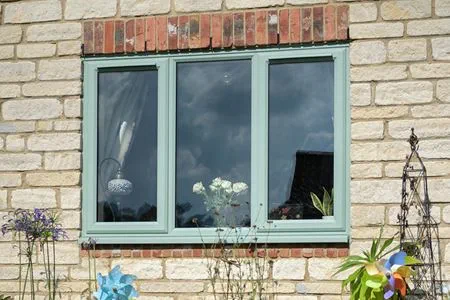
(54, 269)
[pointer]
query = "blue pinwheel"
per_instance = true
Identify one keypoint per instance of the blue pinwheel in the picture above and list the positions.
(398, 270)
(115, 286)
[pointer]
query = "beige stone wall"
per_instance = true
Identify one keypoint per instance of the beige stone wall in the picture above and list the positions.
(400, 77)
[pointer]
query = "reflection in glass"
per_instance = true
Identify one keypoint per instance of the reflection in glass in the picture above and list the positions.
(300, 137)
(213, 137)
(127, 139)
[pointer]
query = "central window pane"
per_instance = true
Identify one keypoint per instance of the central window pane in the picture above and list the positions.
(213, 141)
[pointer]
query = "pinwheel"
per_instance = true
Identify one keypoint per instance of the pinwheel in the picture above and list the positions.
(115, 286)
(397, 271)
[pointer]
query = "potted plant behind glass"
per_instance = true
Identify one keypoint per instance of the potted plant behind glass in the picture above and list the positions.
(325, 207)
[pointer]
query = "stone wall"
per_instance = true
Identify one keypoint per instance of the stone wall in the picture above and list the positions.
(400, 77)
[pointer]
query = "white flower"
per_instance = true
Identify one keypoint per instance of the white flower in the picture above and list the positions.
(217, 182)
(226, 184)
(240, 187)
(198, 188)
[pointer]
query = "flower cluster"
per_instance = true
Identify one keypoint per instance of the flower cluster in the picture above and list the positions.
(115, 286)
(36, 224)
(222, 193)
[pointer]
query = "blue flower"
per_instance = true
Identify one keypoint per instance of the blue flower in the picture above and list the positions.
(115, 286)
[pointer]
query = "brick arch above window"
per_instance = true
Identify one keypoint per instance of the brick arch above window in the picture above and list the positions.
(226, 30)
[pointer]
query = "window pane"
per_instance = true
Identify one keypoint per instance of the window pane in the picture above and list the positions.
(300, 137)
(127, 139)
(213, 140)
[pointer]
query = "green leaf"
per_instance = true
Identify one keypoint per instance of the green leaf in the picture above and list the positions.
(375, 281)
(327, 203)
(317, 204)
(411, 260)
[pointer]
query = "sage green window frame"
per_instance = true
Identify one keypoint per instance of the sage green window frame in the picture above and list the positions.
(163, 231)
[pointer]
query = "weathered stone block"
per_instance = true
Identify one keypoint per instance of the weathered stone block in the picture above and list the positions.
(431, 110)
(363, 215)
(435, 70)
(360, 94)
(33, 11)
(85, 9)
(438, 190)
(151, 269)
(10, 34)
(6, 52)
(31, 198)
(441, 48)
(408, 92)
(370, 170)
(324, 268)
(70, 219)
(429, 27)
(62, 160)
(197, 5)
(53, 179)
(9, 91)
(376, 191)
(379, 151)
(290, 269)
(31, 109)
(10, 180)
(17, 71)
(186, 269)
(35, 50)
(407, 50)
(413, 215)
(434, 168)
(15, 143)
(376, 30)
(379, 112)
(434, 148)
(172, 287)
(20, 162)
(72, 107)
(371, 52)
(401, 10)
(363, 12)
(59, 69)
(305, 2)
(423, 127)
(69, 48)
(53, 32)
(70, 198)
(54, 141)
(67, 125)
(13, 127)
(376, 73)
(144, 7)
(367, 130)
(442, 8)
(446, 214)
(53, 88)
(443, 90)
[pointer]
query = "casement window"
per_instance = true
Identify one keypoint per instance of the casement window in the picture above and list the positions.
(275, 119)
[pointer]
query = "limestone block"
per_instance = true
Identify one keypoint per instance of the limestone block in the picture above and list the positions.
(31, 198)
(20, 162)
(144, 7)
(36, 50)
(54, 141)
(85, 9)
(17, 71)
(31, 109)
(407, 50)
(407, 92)
(367, 130)
(33, 11)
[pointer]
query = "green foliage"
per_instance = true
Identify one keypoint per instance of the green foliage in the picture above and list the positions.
(326, 205)
(3, 297)
(363, 285)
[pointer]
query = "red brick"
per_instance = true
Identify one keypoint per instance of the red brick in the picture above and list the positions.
(307, 252)
(272, 26)
(194, 32)
(166, 253)
(318, 23)
(216, 31)
(187, 253)
(273, 253)
(177, 253)
(296, 252)
(97, 253)
(172, 28)
(88, 37)
(197, 252)
(284, 26)
(183, 32)
(284, 252)
(227, 30)
(156, 253)
(137, 253)
(150, 37)
(139, 45)
(205, 30)
(250, 29)
(319, 252)
(106, 253)
(161, 33)
(98, 37)
(331, 252)
(119, 36)
(261, 27)
(330, 23)
(343, 252)
(84, 253)
(126, 253)
(109, 37)
(239, 36)
(342, 22)
(295, 28)
(306, 25)
(146, 253)
(129, 35)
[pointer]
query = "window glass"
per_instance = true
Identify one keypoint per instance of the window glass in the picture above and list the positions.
(213, 113)
(127, 145)
(301, 137)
